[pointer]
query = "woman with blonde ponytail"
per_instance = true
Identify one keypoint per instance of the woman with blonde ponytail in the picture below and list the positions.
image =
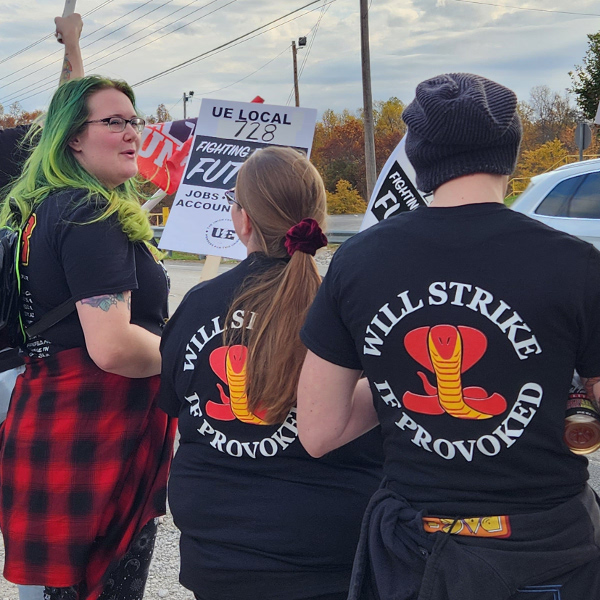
(258, 517)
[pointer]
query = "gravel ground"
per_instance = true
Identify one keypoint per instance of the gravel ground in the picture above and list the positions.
(323, 258)
(163, 581)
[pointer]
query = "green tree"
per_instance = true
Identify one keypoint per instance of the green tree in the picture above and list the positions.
(586, 78)
(345, 200)
(387, 115)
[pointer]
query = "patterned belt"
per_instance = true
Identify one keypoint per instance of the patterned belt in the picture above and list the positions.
(486, 527)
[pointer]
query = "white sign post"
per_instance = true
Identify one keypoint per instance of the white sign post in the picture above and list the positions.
(68, 10)
(396, 189)
(227, 133)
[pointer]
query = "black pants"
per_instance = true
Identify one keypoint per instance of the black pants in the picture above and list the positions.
(340, 596)
(128, 580)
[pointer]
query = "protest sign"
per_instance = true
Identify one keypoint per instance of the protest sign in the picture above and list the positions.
(163, 152)
(396, 189)
(227, 133)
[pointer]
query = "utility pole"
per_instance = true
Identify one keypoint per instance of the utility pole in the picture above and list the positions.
(295, 59)
(186, 98)
(371, 170)
(301, 44)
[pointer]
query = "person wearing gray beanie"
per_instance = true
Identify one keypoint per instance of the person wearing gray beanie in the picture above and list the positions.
(467, 320)
(460, 124)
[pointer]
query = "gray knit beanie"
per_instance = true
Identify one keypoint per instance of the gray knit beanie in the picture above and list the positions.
(460, 124)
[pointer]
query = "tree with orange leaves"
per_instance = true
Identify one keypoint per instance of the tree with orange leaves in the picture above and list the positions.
(17, 116)
(338, 148)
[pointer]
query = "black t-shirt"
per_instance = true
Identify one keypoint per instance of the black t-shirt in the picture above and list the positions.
(12, 153)
(65, 256)
(247, 496)
(469, 323)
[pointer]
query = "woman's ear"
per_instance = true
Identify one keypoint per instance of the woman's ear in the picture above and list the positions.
(75, 144)
(246, 225)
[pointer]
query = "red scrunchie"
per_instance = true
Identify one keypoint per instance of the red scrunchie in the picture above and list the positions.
(306, 237)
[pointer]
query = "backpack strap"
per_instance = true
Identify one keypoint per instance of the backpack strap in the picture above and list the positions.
(56, 315)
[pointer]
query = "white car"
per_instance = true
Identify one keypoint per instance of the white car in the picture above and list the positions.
(567, 199)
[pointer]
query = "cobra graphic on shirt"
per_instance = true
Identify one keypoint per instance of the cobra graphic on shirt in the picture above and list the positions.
(229, 363)
(221, 404)
(443, 354)
(449, 351)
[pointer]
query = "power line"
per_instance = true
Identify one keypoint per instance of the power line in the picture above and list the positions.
(547, 10)
(235, 82)
(60, 51)
(89, 12)
(315, 28)
(324, 9)
(120, 50)
(36, 83)
(51, 34)
(247, 76)
(123, 16)
(223, 46)
(174, 105)
(218, 49)
(121, 55)
(243, 41)
(145, 15)
(160, 29)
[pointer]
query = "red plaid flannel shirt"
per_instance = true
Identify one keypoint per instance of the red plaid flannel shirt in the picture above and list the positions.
(84, 460)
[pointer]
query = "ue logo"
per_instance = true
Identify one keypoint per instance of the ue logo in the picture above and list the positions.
(220, 234)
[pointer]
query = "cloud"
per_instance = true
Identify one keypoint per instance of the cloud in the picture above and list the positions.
(410, 40)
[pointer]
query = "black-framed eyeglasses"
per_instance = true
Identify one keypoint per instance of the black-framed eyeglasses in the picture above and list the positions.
(230, 196)
(118, 124)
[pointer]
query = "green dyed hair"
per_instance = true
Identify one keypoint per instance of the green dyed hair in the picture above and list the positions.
(52, 165)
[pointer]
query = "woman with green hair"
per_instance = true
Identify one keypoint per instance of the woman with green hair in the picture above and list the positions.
(84, 451)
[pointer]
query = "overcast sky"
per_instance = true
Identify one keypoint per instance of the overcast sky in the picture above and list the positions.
(411, 40)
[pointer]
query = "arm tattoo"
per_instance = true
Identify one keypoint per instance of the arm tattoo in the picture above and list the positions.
(106, 301)
(66, 71)
(588, 384)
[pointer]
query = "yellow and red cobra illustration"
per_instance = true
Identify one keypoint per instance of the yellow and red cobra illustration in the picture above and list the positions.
(448, 352)
(229, 364)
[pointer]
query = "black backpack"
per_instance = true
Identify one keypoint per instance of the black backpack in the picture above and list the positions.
(10, 318)
(12, 329)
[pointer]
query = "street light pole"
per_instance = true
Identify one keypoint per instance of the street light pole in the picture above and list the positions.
(295, 59)
(186, 98)
(371, 170)
(301, 44)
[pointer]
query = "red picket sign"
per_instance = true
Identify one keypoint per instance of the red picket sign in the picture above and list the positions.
(163, 152)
